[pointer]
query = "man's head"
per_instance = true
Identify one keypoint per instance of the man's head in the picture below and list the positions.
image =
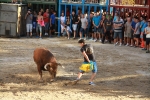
(136, 19)
(47, 10)
(54, 12)
(29, 11)
(73, 12)
(81, 42)
(62, 14)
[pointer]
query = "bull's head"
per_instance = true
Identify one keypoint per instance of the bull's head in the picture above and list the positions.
(52, 68)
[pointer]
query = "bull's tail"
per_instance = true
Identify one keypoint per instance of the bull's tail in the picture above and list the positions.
(60, 65)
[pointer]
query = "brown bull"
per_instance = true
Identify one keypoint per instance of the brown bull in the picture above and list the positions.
(45, 61)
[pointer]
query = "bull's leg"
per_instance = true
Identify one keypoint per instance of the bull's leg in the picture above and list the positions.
(40, 72)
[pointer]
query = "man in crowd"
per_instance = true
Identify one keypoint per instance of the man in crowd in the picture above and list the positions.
(84, 24)
(52, 23)
(46, 21)
(107, 29)
(74, 23)
(96, 23)
(29, 18)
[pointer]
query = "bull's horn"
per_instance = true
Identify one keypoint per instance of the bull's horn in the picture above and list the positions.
(45, 67)
(60, 65)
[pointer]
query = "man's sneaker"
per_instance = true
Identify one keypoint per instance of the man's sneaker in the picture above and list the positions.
(95, 40)
(120, 44)
(100, 40)
(91, 83)
(85, 38)
(116, 43)
(91, 39)
(127, 44)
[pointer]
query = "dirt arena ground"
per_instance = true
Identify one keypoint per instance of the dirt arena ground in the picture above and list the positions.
(123, 72)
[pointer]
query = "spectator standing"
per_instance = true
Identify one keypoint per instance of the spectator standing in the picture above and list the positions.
(96, 23)
(74, 23)
(29, 18)
(137, 32)
(52, 23)
(127, 32)
(78, 25)
(46, 21)
(101, 27)
(34, 22)
(84, 24)
(118, 24)
(147, 31)
(133, 24)
(143, 25)
(107, 29)
(40, 23)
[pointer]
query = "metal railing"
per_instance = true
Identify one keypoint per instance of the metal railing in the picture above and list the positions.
(103, 2)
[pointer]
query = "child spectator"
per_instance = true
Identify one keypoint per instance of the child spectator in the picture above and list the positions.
(127, 32)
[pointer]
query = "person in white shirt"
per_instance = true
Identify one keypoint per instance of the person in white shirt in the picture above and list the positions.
(64, 27)
(84, 24)
(147, 31)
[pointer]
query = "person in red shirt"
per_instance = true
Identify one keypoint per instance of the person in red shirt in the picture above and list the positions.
(46, 21)
(67, 12)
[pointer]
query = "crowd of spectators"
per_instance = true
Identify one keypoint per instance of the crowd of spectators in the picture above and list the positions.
(131, 30)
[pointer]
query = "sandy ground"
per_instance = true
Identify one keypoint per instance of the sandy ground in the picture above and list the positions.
(123, 72)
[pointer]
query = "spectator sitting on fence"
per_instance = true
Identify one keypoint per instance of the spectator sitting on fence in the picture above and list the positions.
(15, 1)
(67, 28)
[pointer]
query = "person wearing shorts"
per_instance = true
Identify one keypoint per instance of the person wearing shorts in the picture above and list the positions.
(74, 23)
(84, 24)
(147, 31)
(88, 58)
(46, 21)
(127, 32)
(118, 24)
(96, 23)
(137, 32)
(29, 18)
(143, 25)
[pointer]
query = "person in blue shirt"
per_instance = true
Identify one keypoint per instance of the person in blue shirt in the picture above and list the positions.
(96, 23)
(143, 25)
(52, 23)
